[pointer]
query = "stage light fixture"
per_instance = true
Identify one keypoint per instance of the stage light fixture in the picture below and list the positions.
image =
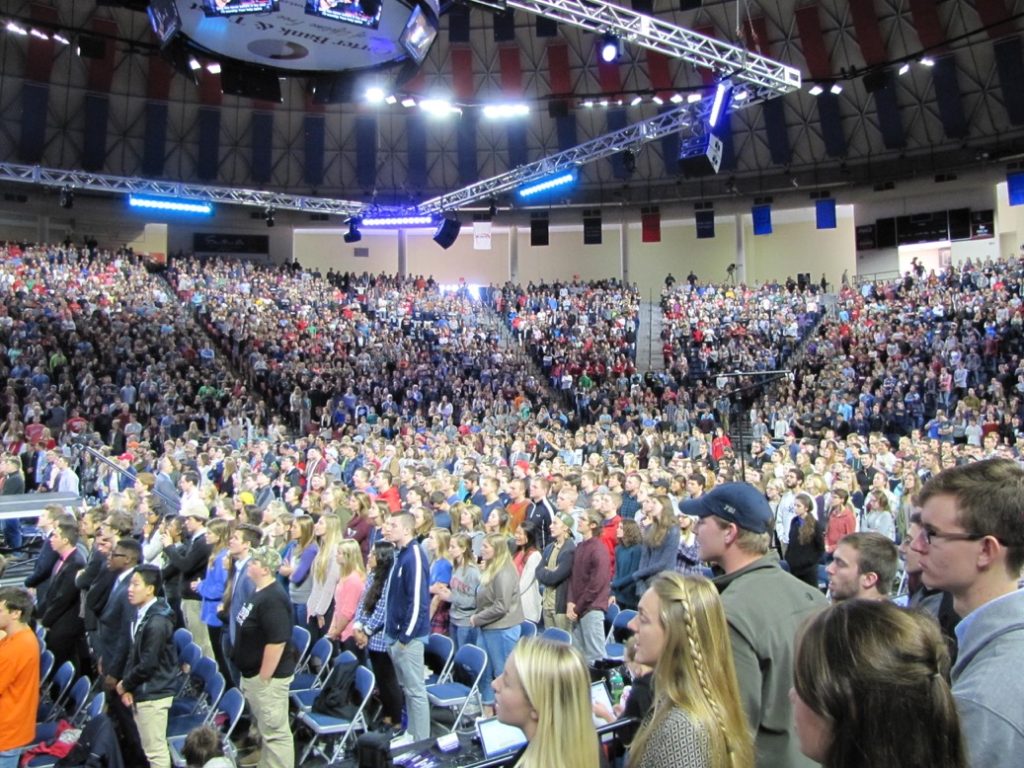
(447, 232)
(67, 197)
(268, 216)
(816, 90)
(353, 235)
(609, 48)
(836, 89)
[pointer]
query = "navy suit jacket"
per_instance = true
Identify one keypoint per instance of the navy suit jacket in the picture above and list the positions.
(114, 630)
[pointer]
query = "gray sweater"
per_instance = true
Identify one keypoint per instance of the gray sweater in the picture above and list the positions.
(464, 583)
(987, 682)
(497, 602)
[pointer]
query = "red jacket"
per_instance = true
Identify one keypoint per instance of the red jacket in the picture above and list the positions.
(591, 577)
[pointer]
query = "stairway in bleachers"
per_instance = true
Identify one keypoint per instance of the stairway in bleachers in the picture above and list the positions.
(648, 339)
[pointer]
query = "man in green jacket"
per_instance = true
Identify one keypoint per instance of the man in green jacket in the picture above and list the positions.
(765, 607)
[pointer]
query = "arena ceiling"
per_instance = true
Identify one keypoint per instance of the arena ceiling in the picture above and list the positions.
(908, 88)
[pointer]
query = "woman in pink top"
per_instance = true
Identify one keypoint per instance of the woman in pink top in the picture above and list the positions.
(350, 587)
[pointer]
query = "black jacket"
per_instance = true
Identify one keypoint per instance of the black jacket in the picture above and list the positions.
(152, 668)
(63, 600)
(557, 578)
(39, 579)
(94, 581)
(190, 560)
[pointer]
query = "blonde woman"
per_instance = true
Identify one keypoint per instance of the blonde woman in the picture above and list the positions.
(349, 558)
(498, 610)
(697, 720)
(544, 689)
(325, 575)
(440, 577)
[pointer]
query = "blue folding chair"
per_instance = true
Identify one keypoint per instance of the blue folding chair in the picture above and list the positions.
(527, 629)
(326, 728)
(614, 645)
(303, 700)
(463, 687)
(232, 703)
(317, 667)
(205, 710)
(50, 706)
(437, 656)
(557, 635)
(192, 695)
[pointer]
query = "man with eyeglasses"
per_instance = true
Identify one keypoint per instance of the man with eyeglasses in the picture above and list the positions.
(971, 544)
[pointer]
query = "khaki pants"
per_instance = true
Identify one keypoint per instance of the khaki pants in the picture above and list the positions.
(559, 620)
(151, 720)
(200, 632)
(268, 703)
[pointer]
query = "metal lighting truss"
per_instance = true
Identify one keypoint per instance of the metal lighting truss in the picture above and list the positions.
(764, 77)
(96, 182)
(688, 116)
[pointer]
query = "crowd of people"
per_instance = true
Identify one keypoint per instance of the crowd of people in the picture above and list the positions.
(373, 459)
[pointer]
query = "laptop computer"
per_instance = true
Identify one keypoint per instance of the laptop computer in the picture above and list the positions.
(497, 738)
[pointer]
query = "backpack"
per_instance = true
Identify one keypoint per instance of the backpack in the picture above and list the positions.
(337, 697)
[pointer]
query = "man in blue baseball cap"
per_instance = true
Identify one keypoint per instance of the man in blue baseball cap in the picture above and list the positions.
(764, 605)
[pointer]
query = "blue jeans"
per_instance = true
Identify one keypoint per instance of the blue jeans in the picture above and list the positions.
(9, 757)
(300, 614)
(462, 635)
(410, 670)
(498, 643)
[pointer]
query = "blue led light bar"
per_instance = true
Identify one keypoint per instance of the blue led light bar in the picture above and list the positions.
(170, 204)
(561, 179)
(721, 103)
(398, 221)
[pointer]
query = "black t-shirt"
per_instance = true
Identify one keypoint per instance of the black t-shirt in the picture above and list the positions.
(265, 619)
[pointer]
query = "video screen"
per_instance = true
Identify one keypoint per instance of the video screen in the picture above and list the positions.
(363, 13)
(164, 19)
(235, 7)
(418, 35)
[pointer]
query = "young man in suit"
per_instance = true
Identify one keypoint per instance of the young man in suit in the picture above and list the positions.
(60, 613)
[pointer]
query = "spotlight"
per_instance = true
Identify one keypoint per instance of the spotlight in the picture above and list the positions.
(375, 95)
(928, 61)
(904, 69)
(815, 90)
(193, 64)
(492, 209)
(268, 216)
(836, 89)
(609, 48)
(693, 98)
(629, 161)
(67, 197)
(636, 100)
(353, 235)
(213, 67)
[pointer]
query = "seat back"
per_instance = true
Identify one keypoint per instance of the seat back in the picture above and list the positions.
(213, 690)
(77, 697)
(438, 655)
(468, 666)
(557, 635)
(301, 639)
(527, 629)
(45, 667)
(320, 657)
(62, 680)
(182, 639)
(232, 703)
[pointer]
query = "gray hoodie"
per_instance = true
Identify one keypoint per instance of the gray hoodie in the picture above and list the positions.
(987, 681)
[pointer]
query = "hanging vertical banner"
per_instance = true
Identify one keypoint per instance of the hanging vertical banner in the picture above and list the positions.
(481, 235)
(650, 225)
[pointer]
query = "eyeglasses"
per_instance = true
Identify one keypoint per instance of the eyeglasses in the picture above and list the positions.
(930, 533)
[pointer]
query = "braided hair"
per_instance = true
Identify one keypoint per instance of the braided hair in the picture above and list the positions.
(695, 672)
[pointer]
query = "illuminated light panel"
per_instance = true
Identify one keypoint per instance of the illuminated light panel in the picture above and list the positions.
(169, 204)
(551, 182)
(505, 111)
(397, 221)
